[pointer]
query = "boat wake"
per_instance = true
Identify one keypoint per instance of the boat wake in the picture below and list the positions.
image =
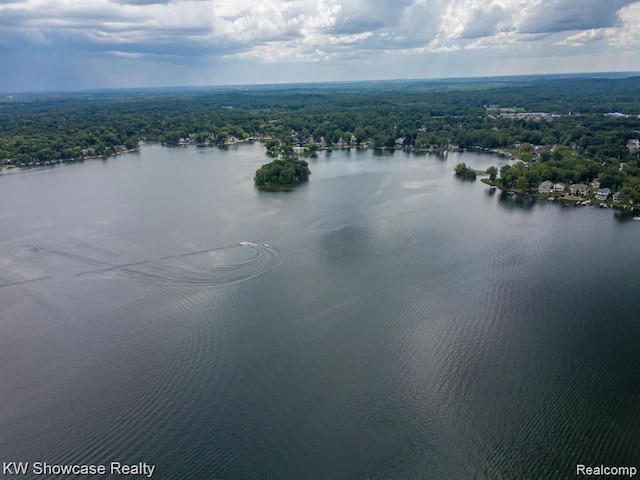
(206, 268)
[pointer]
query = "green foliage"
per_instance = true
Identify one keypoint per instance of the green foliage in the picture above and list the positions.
(526, 152)
(282, 172)
(522, 183)
(312, 148)
(465, 172)
(492, 172)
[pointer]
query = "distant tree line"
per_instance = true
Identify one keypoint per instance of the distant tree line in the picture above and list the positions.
(586, 142)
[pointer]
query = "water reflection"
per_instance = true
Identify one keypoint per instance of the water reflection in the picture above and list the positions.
(278, 188)
(514, 201)
(625, 215)
(384, 153)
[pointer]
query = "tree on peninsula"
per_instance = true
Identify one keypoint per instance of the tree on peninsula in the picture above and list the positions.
(465, 172)
(492, 172)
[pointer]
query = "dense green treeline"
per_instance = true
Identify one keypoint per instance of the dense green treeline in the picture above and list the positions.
(420, 115)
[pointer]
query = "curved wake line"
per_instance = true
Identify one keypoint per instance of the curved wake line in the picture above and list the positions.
(22, 282)
(182, 269)
(151, 260)
(166, 271)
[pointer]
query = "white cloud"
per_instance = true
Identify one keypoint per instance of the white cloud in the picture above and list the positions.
(316, 32)
(579, 39)
(628, 35)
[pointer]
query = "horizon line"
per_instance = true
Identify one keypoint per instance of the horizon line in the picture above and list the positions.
(612, 74)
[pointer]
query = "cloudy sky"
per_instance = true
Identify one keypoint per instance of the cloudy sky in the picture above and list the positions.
(78, 44)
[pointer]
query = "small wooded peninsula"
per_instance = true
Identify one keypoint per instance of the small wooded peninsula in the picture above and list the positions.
(288, 171)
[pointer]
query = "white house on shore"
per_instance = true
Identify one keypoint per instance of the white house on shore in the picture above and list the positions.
(579, 189)
(617, 197)
(545, 187)
(559, 187)
(603, 193)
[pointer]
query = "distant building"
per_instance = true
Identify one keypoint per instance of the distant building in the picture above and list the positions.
(633, 145)
(616, 115)
(603, 193)
(579, 189)
(545, 187)
(540, 149)
(617, 197)
(535, 116)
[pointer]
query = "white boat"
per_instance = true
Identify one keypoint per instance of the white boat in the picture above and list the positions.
(636, 218)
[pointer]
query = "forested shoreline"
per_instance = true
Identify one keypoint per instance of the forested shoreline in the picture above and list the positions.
(573, 129)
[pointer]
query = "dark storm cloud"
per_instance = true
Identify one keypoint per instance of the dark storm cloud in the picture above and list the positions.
(15, 16)
(567, 15)
(75, 43)
(365, 16)
(483, 23)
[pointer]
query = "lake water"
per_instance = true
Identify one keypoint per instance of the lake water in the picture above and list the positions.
(385, 321)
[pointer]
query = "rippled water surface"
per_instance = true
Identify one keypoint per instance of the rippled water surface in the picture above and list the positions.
(382, 321)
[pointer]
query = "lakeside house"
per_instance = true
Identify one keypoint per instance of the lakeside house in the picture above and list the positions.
(617, 197)
(579, 189)
(545, 187)
(603, 193)
(633, 145)
(559, 187)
